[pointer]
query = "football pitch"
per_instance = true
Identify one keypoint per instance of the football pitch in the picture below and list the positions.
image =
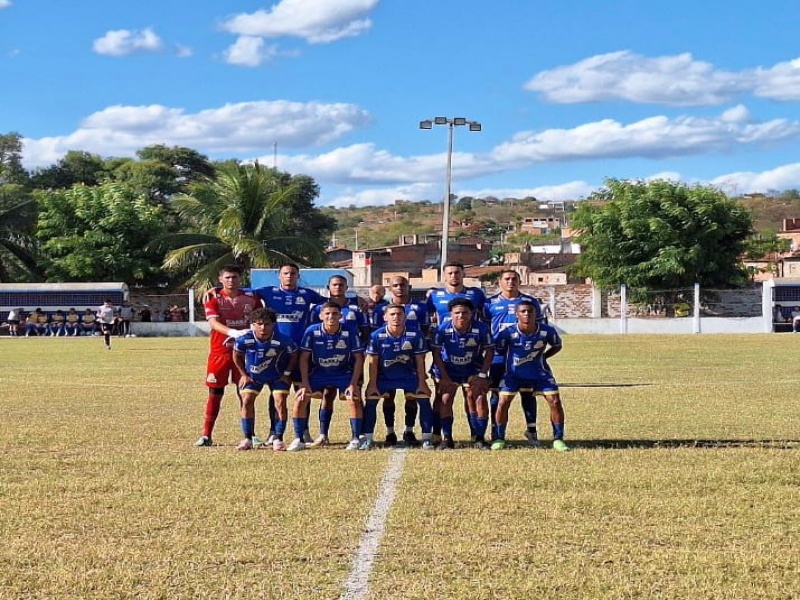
(683, 482)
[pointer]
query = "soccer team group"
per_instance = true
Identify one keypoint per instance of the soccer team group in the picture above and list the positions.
(289, 341)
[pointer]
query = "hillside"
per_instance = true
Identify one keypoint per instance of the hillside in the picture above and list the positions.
(373, 227)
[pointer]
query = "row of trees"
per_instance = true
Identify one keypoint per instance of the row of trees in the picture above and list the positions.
(168, 218)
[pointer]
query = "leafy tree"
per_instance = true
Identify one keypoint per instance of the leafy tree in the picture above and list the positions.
(245, 215)
(98, 233)
(18, 248)
(74, 167)
(760, 245)
(661, 235)
(11, 170)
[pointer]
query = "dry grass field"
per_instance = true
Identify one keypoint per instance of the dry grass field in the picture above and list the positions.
(684, 481)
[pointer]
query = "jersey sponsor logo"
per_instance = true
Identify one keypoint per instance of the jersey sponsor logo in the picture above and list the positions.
(260, 368)
(292, 317)
(521, 360)
(461, 360)
(333, 361)
(398, 360)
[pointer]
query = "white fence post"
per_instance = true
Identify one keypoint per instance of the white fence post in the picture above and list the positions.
(191, 305)
(696, 317)
(623, 308)
(767, 294)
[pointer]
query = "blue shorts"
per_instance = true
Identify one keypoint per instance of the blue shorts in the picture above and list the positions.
(325, 381)
(460, 379)
(510, 385)
(275, 385)
(408, 385)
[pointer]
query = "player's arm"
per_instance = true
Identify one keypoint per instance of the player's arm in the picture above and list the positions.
(238, 360)
(358, 372)
(422, 376)
(444, 377)
(372, 372)
(215, 324)
(552, 351)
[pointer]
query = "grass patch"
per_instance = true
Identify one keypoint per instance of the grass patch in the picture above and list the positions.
(683, 481)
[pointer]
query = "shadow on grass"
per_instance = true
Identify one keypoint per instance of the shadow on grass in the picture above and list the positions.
(603, 385)
(680, 443)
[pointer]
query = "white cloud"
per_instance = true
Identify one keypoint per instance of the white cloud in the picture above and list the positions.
(654, 137)
(780, 82)
(677, 80)
(233, 128)
(122, 42)
(571, 190)
(249, 51)
(316, 21)
(383, 196)
(746, 182)
(5, 4)
(183, 51)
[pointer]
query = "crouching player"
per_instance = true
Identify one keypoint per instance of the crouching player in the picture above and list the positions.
(266, 357)
(331, 363)
(526, 347)
(396, 361)
(462, 352)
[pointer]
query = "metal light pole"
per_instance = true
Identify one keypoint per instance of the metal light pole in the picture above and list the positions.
(448, 174)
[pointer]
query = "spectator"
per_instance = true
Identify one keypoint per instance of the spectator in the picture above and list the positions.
(175, 314)
(14, 317)
(777, 314)
(42, 322)
(72, 326)
(88, 322)
(145, 316)
(57, 325)
(796, 319)
(32, 324)
(126, 316)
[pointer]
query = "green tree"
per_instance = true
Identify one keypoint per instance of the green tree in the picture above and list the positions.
(11, 170)
(99, 233)
(244, 215)
(18, 247)
(661, 235)
(74, 167)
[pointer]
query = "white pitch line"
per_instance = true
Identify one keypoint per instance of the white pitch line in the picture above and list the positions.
(357, 585)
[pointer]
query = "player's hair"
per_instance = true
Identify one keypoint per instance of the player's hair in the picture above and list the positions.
(453, 263)
(392, 307)
(267, 315)
(330, 305)
(504, 271)
(466, 302)
(530, 303)
(230, 269)
(288, 264)
(332, 277)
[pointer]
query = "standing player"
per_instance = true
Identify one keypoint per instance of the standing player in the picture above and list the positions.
(396, 361)
(439, 300)
(292, 304)
(331, 363)
(525, 347)
(375, 305)
(228, 313)
(352, 318)
(462, 352)
(266, 357)
(416, 320)
(502, 310)
(105, 316)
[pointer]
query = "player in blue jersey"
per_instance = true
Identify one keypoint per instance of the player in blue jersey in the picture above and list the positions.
(293, 305)
(375, 304)
(501, 308)
(331, 363)
(266, 357)
(416, 320)
(462, 350)
(438, 301)
(526, 346)
(396, 361)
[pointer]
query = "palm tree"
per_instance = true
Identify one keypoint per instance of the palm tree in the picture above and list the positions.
(18, 249)
(242, 216)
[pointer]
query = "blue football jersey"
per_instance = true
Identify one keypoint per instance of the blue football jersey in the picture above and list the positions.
(439, 299)
(265, 361)
(293, 308)
(502, 312)
(331, 354)
(417, 316)
(397, 354)
(352, 315)
(462, 352)
(523, 353)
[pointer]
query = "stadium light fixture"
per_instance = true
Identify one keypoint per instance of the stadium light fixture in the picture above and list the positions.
(448, 174)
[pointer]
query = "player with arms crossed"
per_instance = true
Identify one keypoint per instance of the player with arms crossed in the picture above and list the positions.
(462, 352)
(526, 346)
(266, 357)
(331, 363)
(228, 313)
(396, 361)
(502, 310)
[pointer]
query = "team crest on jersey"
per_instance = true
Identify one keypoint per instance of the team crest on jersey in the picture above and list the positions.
(406, 346)
(539, 344)
(211, 378)
(270, 353)
(341, 344)
(471, 342)
(300, 300)
(412, 315)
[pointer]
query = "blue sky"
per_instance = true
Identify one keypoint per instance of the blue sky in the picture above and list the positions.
(568, 93)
